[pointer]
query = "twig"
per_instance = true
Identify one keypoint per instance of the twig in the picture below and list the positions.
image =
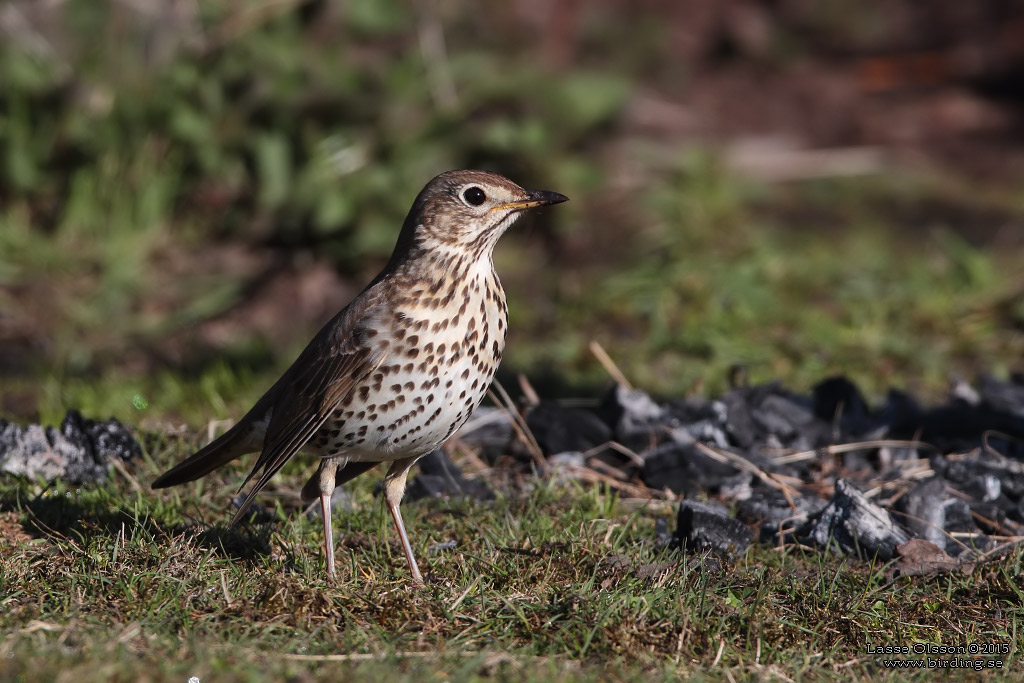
(518, 422)
(123, 471)
(595, 477)
(836, 449)
(608, 364)
(529, 393)
(741, 463)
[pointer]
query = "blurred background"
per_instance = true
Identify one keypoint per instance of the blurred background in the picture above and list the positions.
(190, 188)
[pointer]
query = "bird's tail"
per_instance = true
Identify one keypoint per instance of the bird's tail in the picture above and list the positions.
(233, 443)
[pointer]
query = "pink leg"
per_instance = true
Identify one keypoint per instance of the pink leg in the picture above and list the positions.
(394, 489)
(325, 510)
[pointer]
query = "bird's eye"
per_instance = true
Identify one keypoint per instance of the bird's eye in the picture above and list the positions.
(474, 196)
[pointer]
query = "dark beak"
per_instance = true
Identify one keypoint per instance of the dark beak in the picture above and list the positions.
(536, 198)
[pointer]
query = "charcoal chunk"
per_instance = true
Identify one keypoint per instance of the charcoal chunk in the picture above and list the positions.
(770, 415)
(703, 527)
(80, 452)
(837, 400)
(922, 510)
(490, 430)
(681, 467)
(852, 524)
(982, 476)
(636, 420)
(558, 429)
(1004, 397)
(769, 510)
(439, 477)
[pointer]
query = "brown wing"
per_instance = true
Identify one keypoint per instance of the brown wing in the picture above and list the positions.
(334, 365)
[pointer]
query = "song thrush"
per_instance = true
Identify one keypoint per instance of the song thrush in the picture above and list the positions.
(399, 369)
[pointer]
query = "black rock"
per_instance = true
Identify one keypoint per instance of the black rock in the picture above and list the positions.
(80, 452)
(963, 531)
(838, 401)
(558, 429)
(682, 468)
(489, 429)
(922, 510)
(636, 420)
(1003, 397)
(439, 477)
(695, 410)
(852, 524)
(702, 527)
(958, 425)
(769, 510)
(983, 476)
(662, 536)
(768, 415)
(340, 500)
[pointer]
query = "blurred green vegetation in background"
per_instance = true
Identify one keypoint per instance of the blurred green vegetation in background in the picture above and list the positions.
(188, 190)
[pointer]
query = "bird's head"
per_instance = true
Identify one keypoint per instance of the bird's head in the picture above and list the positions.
(467, 211)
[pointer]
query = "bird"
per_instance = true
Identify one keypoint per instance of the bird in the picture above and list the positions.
(400, 368)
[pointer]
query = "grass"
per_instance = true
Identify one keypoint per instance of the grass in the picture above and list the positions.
(551, 580)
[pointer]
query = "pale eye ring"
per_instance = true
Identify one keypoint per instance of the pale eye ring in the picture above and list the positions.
(474, 196)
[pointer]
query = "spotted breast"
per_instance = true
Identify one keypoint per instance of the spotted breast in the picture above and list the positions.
(422, 392)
